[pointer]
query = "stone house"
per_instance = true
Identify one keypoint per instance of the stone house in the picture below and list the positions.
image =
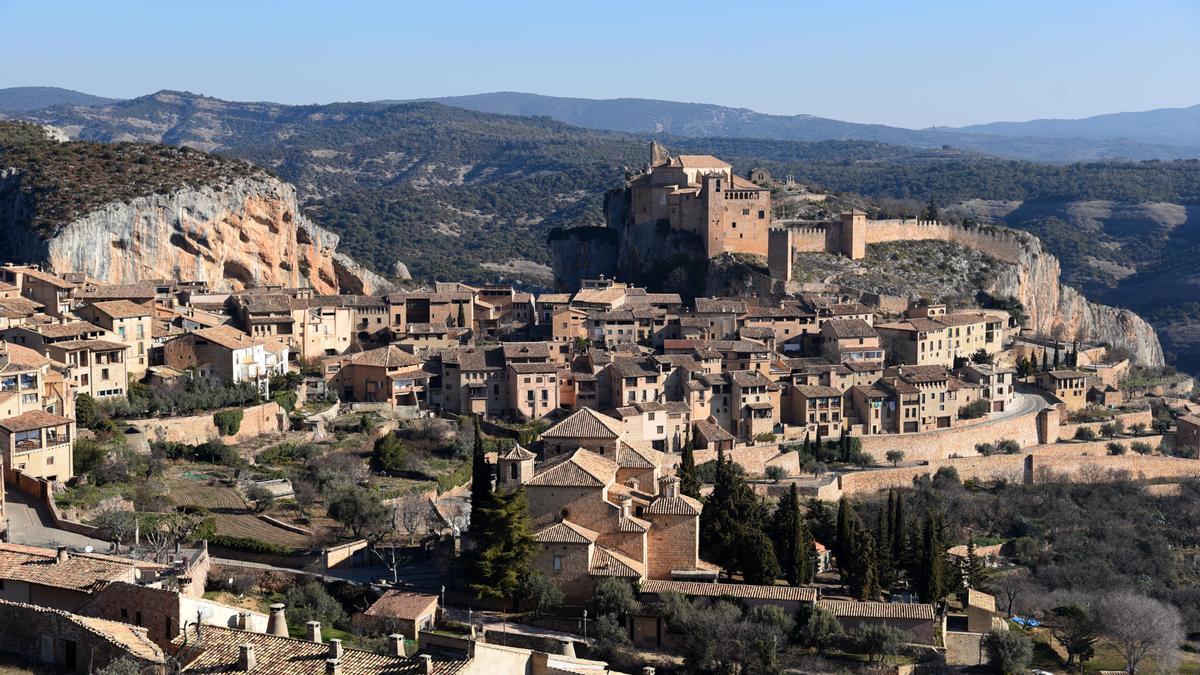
(916, 341)
(789, 322)
(385, 375)
(66, 642)
(850, 340)
(864, 407)
(51, 291)
(402, 612)
(665, 426)
(39, 444)
(227, 354)
(130, 323)
(981, 610)
(310, 326)
(995, 383)
(431, 307)
(1187, 434)
(918, 622)
(923, 398)
(584, 428)
(58, 579)
(97, 367)
(533, 389)
(1069, 386)
(818, 409)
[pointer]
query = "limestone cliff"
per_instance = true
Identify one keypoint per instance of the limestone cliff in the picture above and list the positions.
(241, 232)
(1057, 309)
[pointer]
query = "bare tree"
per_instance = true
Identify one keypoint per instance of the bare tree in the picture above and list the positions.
(116, 525)
(1137, 627)
(1010, 587)
(411, 512)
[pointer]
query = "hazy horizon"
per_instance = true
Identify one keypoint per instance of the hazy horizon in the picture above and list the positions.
(942, 64)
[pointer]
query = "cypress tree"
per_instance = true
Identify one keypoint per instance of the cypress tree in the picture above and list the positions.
(974, 570)
(481, 486)
(843, 548)
(1056, 358)
(898, 527)
(865, 580)
(882, 548)
(1045, 361)
(462, 315)
(689, 480)
(502, 557)
(933, 577)
(820, 446)
(793, 541)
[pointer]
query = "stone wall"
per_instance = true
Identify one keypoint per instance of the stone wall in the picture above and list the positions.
(257, 420)
(943, 443)
(1067, 431)
(42, 635)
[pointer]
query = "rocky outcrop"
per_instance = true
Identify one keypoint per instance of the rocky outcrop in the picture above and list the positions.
(1056, 309)
(245, 231)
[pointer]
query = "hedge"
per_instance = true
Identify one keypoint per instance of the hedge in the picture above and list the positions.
(228, 421)
(249, 545)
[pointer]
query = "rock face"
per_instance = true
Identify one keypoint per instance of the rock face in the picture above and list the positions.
(1057, 309)
(243, 232)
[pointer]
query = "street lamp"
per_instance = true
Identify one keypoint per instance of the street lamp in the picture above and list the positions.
(585, 624)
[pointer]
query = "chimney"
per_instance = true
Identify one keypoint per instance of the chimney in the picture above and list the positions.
(62, 555)
(632, 483)
(567, 647)
(625, 501)
(277, 623)
(648, 670)
(397, 642)
(333, 667)
(313, 632)
(243, 620)
(246, 659)
(335, 649)
(539, 663)
(427, 664)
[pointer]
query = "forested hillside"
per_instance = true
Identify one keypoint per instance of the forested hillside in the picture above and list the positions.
(452, 193)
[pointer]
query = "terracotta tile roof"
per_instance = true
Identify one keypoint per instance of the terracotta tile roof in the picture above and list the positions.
(816, 391)
(565, 532)
(878, 610)
(17, 358)
(388, 357)
(14, 308)
(583, 468)
(34, 419)
(609, 563)
(681, 505)
(712, 431)
(1067, 374)
(141, 289)
(744, 591)
(218, 648)
(634, 458)
(632, 524)
(47, 277)
(526, 350)
(533, 368)
(69, 329)
(699, 162)
(517, 453)
(121, 309)
(84, 572)
(130, 639)
(226, 336)
(405, 605)
(585, 423)
(94, 345)
(849, 328)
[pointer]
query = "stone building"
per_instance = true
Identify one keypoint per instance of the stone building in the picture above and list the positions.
(130, 323)
(700, 194)
(385, 375)
(69, 643)
(1069, 386)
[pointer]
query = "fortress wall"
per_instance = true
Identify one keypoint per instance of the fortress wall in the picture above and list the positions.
(808, 239)
(935, 445)
(996, 243)
(1092, 469)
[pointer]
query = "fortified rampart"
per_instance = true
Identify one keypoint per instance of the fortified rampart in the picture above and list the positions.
(1033, 278)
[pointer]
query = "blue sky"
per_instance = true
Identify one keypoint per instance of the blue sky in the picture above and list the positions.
(912, 64)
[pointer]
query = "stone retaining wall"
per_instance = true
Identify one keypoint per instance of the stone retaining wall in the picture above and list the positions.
(257, 420)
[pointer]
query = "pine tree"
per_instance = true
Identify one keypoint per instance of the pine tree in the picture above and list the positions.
(819, 447)
(689, 480)
(732, 525)
(974, 569)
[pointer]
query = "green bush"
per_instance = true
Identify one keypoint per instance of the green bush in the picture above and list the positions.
(975, 409)
(1141, 447)
(459, 476)
(286, 400)
(1085, 434)
(389, 454)
(88, 455)
(228, 421)
(1115, 448)
(87, 411)
(248, 545)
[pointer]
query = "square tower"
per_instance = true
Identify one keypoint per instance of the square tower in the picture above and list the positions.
(853, 233)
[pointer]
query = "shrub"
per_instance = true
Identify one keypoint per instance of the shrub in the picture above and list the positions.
(88, 455)
(389, 454)
(1008, 651)
(261, 497)
(776, 472)
(87, 411)
(1141, 447)
(985, 449)
(540, 592)
(614, 596)
(766, 437)
(875, 640)
(286, 400)
(1085, 434)
(1115, 448)
(975, 409)
(894, 456)
(309, 601)
(248, 545)
(1008, 447)
(228, 421)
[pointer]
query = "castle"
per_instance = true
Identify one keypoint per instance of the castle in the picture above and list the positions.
(700, 194)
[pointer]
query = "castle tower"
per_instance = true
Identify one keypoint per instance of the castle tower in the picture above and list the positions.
(779, 253)
(514, 468)
(853, 234)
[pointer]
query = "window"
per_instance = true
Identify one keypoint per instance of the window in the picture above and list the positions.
(558, 563)
(104, 373)
(50, 460)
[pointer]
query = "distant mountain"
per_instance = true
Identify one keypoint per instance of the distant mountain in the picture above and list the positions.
(635, 115)
(1167, 126)
(24, 99)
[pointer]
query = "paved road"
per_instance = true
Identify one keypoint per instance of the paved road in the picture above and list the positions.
(29, 523)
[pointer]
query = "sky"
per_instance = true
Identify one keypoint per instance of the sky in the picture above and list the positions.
(913, 64)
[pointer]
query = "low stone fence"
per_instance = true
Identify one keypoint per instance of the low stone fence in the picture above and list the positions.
(257, 420)
(942, 443)
(1067, 431)
(43, 491)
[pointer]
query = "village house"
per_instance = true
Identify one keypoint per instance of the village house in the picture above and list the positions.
(51, 291)
(1068, 386)
(665, 426)
(227, 354)
(995, 383)
(384, 375)
(130, 323)
(845, 340)
(918, 622)
(311, 327)
(533, 388)
(401, 612)
(451, 308)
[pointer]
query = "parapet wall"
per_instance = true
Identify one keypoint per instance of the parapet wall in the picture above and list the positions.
(941, 444)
